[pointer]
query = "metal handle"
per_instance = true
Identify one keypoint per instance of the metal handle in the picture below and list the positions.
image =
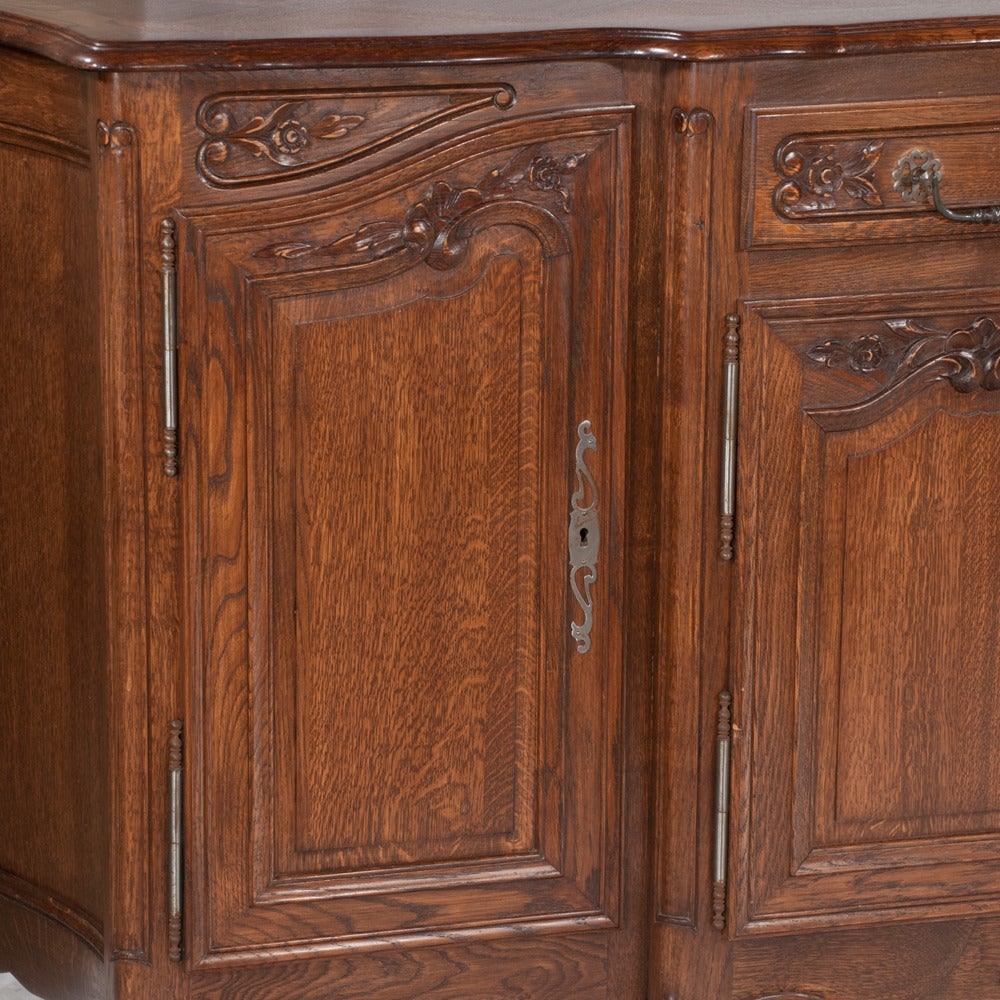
(730, 416)
(168, 273)
(584, 538)
(917, 178)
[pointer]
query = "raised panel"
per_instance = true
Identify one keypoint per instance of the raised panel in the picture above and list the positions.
(917, 748)
(869, 667)
(402, 740)
(409, 547)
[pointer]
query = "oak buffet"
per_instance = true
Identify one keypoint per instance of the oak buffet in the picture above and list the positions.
(499, 502)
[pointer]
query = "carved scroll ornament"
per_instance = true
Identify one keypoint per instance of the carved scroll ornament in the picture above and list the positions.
(263, 138)
(697, 121)
(967, 358)
(823, 176)
(116, 137)
(437, 229)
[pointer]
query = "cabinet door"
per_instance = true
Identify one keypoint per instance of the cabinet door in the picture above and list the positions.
(869, 680)
(406, 709)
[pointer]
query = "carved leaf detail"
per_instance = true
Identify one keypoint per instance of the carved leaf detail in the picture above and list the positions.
(826, 176)
(907, 351)
(863, 354)
(263, 138)
(335, 126)
(437, 228)
(287, 251)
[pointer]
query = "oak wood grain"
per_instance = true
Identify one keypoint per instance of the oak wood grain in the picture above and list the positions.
(106, 36)
(414, 254)
(53, 643)
(430, 756)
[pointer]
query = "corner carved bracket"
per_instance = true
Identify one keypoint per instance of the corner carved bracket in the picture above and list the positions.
(697, 121)
(437, 229)
(116, 138)
(822, 176)
(263, 138)
(968, 358)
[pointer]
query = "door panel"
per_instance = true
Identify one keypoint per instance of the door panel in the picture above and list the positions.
(868, 786)
(399, 739)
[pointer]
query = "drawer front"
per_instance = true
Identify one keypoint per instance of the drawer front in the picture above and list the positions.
(277, 134)
(829, 174)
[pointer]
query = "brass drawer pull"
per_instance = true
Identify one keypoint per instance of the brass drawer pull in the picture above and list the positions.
(917, 178)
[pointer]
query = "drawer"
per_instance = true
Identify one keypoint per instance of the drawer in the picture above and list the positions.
(829, 174)
(263, 135)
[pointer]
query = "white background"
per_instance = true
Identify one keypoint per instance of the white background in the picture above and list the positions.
(11, 989)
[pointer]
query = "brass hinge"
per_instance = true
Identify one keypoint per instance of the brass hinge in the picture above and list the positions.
(168, 277)
(723, 775)
(730, 428)
(176, 838)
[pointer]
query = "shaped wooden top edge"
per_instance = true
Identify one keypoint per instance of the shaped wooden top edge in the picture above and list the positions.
(63, 45)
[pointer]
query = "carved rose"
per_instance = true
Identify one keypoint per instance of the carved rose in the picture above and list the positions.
(546, 173)
(867, 354)
(825, 175)
(909, 352)
(290, 137)
(863, 354)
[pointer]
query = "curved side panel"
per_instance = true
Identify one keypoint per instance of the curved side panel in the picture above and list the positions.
(49, 958)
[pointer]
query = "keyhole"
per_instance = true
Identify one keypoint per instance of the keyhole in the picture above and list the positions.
(583, 536)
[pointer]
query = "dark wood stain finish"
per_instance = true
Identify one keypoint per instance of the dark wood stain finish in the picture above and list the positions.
(417, 261)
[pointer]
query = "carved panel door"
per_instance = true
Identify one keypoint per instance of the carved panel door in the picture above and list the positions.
(406, 709)
(868, 679)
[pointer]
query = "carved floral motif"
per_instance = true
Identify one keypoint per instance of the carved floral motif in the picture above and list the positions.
(968, 358)
(281, 135)
(262, 138)
(863, 354)
(824, 176)
(437, 228)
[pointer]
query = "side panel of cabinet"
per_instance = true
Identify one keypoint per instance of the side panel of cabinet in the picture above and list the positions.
(57, 574)
(869, 675)
(400, 394)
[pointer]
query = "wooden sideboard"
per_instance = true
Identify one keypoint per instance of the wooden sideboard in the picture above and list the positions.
(499, 503)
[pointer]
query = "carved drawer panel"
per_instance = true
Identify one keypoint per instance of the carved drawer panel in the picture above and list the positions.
(278, 133)
(837, 173)
(265, 138)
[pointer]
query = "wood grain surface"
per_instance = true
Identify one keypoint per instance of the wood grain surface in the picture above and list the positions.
(105, 34)
(417, 249)
(53, 644)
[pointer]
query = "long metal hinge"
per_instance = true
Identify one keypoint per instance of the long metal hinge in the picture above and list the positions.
(730, 427)
(720, 861)
(176, 838)
(168, 276)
